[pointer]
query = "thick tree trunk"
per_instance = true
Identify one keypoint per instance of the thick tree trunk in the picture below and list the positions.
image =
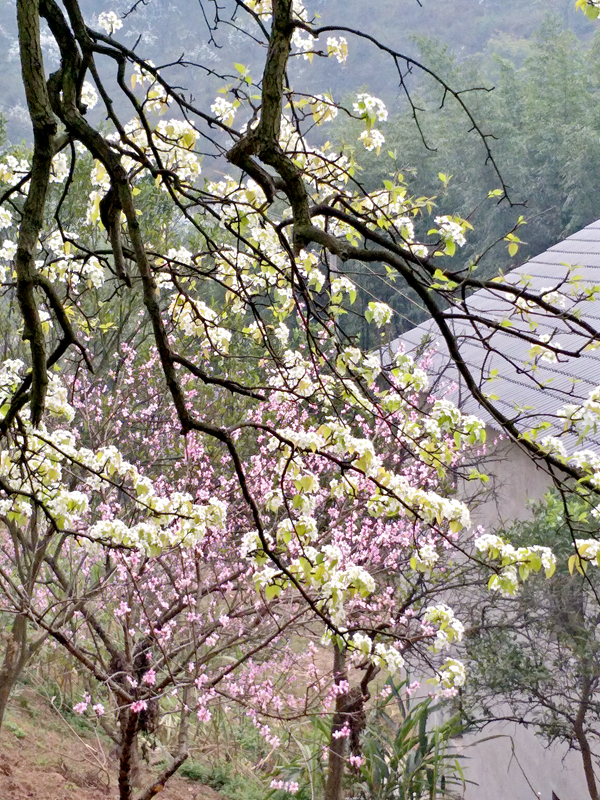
(15, 658)
(588, 762)
(578, 727)
(184, 723)
(337, 745)
(44, 132)
(128, 760)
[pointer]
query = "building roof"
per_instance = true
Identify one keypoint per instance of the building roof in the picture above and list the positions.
(521, 384)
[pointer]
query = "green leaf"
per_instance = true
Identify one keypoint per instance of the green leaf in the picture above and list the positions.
(574, 562)
(272, 591)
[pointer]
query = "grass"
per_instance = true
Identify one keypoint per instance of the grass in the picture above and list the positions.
(223, 779)
(14, 729)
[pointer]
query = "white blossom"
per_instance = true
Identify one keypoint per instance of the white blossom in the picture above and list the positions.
(8, 250)
(450, 230)
(224, 110)
(379, 313)
(109, 22)
(337, 48)
(372, 139)
(370, 108)
(5, 218)
(452, 675)
(60, 168)
(89, 95)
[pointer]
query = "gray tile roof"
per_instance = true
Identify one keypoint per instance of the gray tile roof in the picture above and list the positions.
(520, 391)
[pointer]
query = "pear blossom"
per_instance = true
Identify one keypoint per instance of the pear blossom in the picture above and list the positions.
(372, 139)
(109, 22)
(337, 47)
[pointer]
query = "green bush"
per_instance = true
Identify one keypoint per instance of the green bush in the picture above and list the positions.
(223, 778)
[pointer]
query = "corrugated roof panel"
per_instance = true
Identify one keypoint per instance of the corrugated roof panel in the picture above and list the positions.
(589, 234)
(560, 257)
(552, 384)
(575, 246)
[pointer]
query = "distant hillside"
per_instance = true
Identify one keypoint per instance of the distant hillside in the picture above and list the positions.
(465, 24)
(168, 30)
(48, 753)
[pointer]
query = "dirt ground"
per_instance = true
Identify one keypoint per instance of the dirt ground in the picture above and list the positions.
(43, 759)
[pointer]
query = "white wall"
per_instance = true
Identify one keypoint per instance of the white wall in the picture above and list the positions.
(514, 482)
(515, 766)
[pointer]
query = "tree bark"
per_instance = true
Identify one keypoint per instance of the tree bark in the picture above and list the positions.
(44, 132)
(337, 746)
(588, 762)
(582, 740)
(128, 755)
(15, 658)
(159, 784)
(184, 723)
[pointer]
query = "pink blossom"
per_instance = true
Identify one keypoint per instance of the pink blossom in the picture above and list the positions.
(286, 786)
(81, 708)
(149, 677)
(341, 688)
(203, 714)
(356, 761)
(122, 610)
(342, 732)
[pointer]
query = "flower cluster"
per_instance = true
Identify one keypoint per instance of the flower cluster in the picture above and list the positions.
(60, 168)
(584, 417)
(89, 96)
(82, 706)
(323, 109)
(370, 108)
(451, 676)
(449, 628)
(52, 454)
(337, 47)
(224, 109)
(285, 786)
(109, 22)
(451, 231)
(588, 550)
(198, 320)
(372, 139)
(515, 563)
(13, 169)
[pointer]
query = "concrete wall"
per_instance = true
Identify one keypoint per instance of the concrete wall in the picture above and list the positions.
(516, 765)
(515, 481)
